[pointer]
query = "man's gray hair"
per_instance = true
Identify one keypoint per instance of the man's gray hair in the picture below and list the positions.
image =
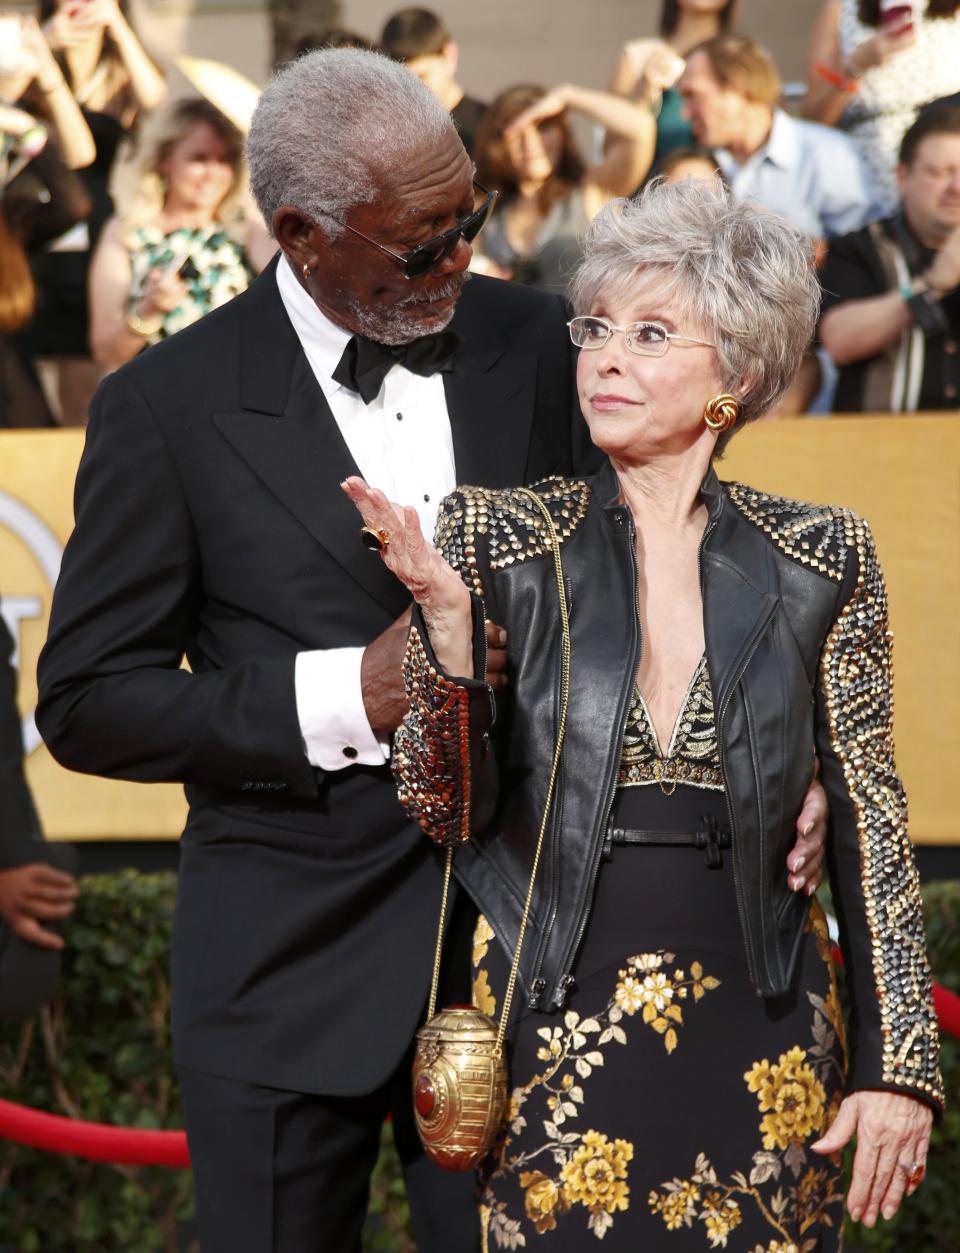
(745, 275)
(324, 119)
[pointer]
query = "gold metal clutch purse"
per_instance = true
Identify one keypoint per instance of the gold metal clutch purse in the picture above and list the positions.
(459, 1071)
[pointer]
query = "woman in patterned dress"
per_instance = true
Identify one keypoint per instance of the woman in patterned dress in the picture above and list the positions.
(187, 249)
(871, 79)
(677, 1068)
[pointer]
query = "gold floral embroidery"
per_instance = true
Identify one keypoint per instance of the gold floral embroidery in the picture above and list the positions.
(483, 997)
(791, 1098)
(643, 986)
(543, 1200)
(677, 1206)
(592, 1167)
(720, 1216)
(801, 1205)
(595, 1177)
(482, 935)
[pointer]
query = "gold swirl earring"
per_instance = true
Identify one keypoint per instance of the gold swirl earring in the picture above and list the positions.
(306, 272)
(722, 412)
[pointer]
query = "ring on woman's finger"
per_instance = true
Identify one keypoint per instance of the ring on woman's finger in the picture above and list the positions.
(375, 538)
(914, 1172)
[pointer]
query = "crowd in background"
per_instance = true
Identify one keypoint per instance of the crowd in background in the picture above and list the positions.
(866, 165)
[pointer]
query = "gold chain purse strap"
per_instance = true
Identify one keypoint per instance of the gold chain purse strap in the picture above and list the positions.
(459, 1072)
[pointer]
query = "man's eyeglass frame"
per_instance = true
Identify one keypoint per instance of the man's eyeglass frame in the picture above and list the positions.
(433, 252)
(640, 352)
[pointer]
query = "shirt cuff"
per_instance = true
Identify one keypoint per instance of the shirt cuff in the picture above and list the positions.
(333, 721)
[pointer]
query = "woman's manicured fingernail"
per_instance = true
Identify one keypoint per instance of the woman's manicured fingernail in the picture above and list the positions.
(889, 1211)
(799, 884)
(811, 888)
(799, 864)
(502, 637)
(808, 828)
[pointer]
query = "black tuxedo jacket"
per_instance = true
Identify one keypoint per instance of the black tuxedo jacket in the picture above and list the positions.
(210, 524)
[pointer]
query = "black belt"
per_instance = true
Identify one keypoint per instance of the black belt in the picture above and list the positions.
(709, 837)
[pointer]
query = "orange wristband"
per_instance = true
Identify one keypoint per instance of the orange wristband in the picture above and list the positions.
(839, 81)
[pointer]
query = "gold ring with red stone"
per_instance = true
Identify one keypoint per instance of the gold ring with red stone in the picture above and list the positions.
(375, 538)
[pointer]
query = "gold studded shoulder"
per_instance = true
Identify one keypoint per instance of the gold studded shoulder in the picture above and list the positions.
(511, 526)
(818, 536)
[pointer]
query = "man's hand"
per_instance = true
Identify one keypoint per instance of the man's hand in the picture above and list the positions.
(33, 894)
(381, 672)
(381, 677)
(944, 272)
(805, 859)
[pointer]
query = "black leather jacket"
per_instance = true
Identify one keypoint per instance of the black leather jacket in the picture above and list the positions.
(798, 655)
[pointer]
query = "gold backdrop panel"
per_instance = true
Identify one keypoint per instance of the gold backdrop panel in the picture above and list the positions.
(37, 470)
(903, 476)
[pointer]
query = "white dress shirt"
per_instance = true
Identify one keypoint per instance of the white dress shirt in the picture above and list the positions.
(402, 443)
(812, 174)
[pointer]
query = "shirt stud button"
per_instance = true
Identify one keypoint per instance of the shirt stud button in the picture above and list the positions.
(350, 752)
(399, 417)
(426, 497)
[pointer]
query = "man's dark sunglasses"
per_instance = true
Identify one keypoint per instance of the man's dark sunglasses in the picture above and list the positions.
(428, 255)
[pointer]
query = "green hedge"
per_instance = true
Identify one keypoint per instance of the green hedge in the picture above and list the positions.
(101, 1051)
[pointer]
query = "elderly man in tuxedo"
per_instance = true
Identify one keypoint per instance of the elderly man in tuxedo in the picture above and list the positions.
(210, 525)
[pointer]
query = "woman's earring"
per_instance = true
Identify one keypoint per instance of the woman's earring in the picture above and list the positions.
(306, 272)
(722, 412)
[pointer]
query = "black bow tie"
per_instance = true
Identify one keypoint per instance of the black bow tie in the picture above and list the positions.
(365, 363)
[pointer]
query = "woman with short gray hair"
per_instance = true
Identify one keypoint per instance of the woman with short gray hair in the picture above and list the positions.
(682, 653)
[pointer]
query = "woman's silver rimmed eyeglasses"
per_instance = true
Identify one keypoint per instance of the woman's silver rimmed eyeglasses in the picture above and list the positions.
(648, 339)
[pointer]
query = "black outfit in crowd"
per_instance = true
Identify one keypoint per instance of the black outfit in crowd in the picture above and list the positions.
(922, 369)
(698, 1037)
(61, 324)
(40, 203)
(467, 116)
(210, 523)
(19, 829)
(28, 973)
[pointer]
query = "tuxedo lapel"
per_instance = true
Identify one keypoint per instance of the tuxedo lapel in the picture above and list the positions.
(490, 399)
(288, 436)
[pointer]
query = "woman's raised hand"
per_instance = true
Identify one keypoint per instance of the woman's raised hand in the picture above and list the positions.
(434, 584)
(548, 106)
(893, 1136)
(881, 47)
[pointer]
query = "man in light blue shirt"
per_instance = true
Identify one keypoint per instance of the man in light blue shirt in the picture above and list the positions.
(811, 174)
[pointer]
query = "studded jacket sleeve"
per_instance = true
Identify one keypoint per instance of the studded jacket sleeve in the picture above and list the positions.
(873, 875)
(443, 763)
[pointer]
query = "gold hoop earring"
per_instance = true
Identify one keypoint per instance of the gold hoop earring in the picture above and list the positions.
(721, 413)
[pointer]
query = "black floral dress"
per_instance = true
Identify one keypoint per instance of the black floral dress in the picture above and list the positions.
(669, 1107)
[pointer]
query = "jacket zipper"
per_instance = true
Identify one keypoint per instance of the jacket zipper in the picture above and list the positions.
(748, 938)
(637, 648)
(735, 847)
(737, 878)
